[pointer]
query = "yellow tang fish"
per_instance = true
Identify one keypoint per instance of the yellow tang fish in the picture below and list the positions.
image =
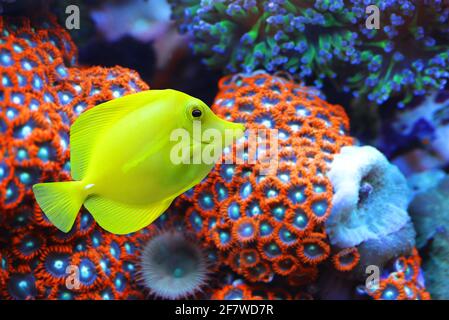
(121, 159)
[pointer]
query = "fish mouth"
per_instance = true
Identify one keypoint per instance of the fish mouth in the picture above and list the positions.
(200, 142)
(203, 142)
(238, 131)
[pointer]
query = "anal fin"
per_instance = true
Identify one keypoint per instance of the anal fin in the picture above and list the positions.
(120, 218)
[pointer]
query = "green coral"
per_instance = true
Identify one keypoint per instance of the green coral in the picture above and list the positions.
(318, 40)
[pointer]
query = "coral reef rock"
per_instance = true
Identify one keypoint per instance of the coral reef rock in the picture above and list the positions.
(430, 213)
(369, 206)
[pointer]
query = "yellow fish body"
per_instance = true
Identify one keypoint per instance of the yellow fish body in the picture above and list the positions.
(121, 160)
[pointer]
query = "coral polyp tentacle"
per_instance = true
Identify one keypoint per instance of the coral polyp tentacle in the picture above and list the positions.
(173, 266)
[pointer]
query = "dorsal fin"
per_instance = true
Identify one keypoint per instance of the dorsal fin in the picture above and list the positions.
(91, 124)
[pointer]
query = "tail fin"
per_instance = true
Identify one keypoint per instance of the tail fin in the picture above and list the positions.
(60, 201)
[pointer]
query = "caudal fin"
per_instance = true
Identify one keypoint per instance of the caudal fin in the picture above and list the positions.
(60, 201)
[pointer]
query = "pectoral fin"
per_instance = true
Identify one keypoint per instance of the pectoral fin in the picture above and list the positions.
(120, 218)
(145, 154)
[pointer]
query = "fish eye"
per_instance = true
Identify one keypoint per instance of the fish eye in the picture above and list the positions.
(196, 113)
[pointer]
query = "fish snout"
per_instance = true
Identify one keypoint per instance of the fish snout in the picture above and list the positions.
(232, 131)
(240, 130)
(222, 130)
